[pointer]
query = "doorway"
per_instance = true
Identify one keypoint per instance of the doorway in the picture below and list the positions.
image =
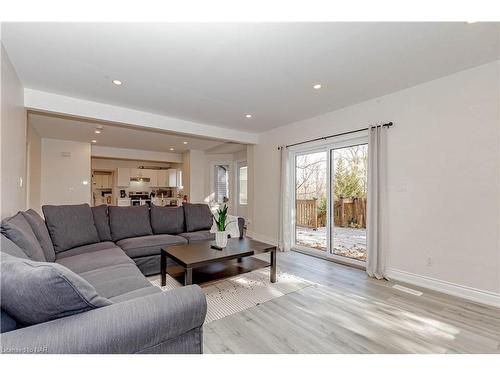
(329, 196)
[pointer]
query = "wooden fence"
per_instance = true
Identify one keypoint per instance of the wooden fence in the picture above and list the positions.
(307, 213)
(346, 213)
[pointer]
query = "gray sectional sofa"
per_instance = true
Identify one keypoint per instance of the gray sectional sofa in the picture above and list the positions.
(75, 282)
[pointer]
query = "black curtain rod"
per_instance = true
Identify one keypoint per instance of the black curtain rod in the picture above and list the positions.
(389, 124)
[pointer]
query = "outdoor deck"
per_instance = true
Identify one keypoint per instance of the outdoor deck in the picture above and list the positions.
(350, 242)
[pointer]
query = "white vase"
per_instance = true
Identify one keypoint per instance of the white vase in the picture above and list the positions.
(221, 239)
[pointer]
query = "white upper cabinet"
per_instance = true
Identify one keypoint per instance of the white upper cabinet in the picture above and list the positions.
(152, 175)
(102, 181)
(162, 178)
(123, 177)
(172, 178)
(166, 178)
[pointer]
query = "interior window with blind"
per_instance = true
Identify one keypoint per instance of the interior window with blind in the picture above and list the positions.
(242, 188)
(221, 182)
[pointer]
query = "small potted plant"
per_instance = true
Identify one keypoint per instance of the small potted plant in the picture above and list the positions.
(221, 224)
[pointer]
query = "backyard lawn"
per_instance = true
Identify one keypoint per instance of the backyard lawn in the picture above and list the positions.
(348, 242)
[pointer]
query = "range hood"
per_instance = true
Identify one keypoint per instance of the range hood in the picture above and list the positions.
(140, 179)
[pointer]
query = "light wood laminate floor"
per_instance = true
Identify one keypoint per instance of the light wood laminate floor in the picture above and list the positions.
(348, 312)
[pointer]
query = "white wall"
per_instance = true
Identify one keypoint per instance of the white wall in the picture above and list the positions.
(444, 151)
(34, 169)
(198, 169)
(112, 164)
(193, 175)
(133, 154)
(13, 135)
(63, 176)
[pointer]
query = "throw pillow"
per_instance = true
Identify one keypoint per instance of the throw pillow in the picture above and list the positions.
(198, 216)
(126, 222)
(167, 220)
(36, 292)
(101, 221)
(18, 230)
(70, 226)
(41, 232)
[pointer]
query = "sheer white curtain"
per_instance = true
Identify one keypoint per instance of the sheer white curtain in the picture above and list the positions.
(285, 225)
(376, 205)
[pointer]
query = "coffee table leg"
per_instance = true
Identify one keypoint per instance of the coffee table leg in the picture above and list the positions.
(163, 266)
(188, 276)
(273, 265)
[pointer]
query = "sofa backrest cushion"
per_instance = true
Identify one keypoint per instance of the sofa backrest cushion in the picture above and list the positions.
(41, 232)
(126, 222)
(167, 220)
(18, 230)
(198, 216)
(36, 292)
(70, 226)
(101, 221)
(9, 247)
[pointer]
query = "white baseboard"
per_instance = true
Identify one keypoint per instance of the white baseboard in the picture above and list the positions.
(262, 238)
(457, 290)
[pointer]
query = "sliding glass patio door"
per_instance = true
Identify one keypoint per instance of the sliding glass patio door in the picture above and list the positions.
(330, 189)
(311, 191)
(348, 198)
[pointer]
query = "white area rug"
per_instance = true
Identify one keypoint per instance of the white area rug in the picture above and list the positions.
(228, 296)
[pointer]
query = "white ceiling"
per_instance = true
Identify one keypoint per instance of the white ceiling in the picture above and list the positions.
(216, 73)
(115, 135)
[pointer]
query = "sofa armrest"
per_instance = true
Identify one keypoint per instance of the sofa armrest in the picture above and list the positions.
(241, 225)
(147, 324)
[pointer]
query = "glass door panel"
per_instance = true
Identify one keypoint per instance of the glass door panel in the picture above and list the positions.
(348, 196)
(311, 200)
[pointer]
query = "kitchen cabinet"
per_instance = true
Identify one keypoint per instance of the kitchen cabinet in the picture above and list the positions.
(152, 175)
(149, 174)
(135, 173)
(172, 178)
(123, 177)
(161, 178)
(167, 178)
(102, 181)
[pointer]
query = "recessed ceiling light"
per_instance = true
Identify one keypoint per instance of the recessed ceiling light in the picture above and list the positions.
(471, 22)
(317, 86)
(171, 149)
(248, 116)
(97, 131)
(185, 142)
(117, 82)
(94, 141)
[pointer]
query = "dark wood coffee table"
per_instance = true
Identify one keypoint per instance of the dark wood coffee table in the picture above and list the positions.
(199, 254)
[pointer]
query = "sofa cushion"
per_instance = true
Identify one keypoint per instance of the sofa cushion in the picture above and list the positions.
(91, 261)
(201, 235)
(149, 245)
(18, 230)
(41, 232)
(86, 249)
(36, 292)
(126, 222)
(146, 291)
(7, 324)
(70, 226)
(101, 221)
(198, 217)
(10, 248)
(115, 280)
(167, 220)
